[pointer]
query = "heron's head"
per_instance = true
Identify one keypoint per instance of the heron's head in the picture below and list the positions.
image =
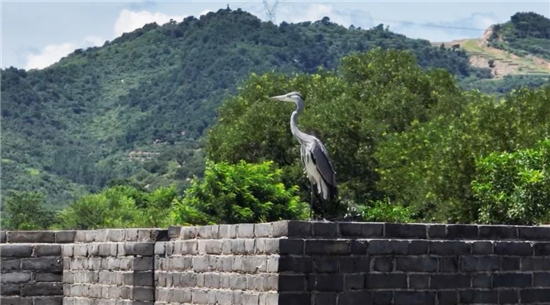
(294, 97)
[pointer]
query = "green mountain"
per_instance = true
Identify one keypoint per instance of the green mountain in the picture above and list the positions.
(525, 34)
(138, 107)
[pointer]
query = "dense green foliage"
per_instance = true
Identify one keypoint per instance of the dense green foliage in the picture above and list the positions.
(120, 207)
(393, 130)
(239, 193)
(138, 106)
(26, 211)
(514, 187)
(524, 34)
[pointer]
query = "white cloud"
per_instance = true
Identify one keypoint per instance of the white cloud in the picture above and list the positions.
(205, 12)
(314, 12)
(471, 27)
(128, 20)
(52, 53)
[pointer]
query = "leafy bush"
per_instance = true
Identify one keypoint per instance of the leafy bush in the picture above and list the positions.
(26, 211)
(237, 193)
(384, 211)
(514, 187)
(120, 207)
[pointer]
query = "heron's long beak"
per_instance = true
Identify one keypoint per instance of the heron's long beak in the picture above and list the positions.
(278, 98)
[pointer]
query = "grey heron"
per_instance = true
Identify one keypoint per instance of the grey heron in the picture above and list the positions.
(314, 155)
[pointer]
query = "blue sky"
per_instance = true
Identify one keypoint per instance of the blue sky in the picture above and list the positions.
(39, 33)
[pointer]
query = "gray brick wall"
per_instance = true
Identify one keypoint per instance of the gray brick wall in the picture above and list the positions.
(287, 262)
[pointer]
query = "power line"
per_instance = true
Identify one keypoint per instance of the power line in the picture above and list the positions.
(431, 25)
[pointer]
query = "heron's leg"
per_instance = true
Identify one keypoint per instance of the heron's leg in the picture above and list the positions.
(311, 201)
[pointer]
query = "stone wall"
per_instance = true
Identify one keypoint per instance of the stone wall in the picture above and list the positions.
(284, 262)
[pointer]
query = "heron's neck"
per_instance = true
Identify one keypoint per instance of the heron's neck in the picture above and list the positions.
(294, 123)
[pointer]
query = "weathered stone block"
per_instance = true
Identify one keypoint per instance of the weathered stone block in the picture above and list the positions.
(327, 247)
(395, 230)
(449, 281)
(437, 231)
(47, 250)
(449, 248)
(354, 281)
(15, 277)
(137, 248)
(325, 229)
(535, 263)
(514, 248)
(498, 232)
(263, 230)
(42, 289)
(245, 230)
(479, 263)
(414, 298)
(43, 263)
(48, 301)
(511, 280)
(143, 294)
(9, 264)
(388, 247)
(15, 250)
(462, 231)
(15, 300)
(419, 281)
(417, 264)
(49, 277)
(30, 236)
(292, 229)
(65, 236)
(534, 233)
(386, 281)
(296, 246)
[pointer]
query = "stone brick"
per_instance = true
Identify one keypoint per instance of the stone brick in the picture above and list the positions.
(449, 281)
(43, 263)
(535, 263)
(381, 297)
(188, 233)
(482, 247)
(65, 236)
(511, 280)
(47, 250)
(514, 248)
(541, 279)
(354, 297)
(396, 230)
(42, 289)
(542, 249)
(199, 296)
(49, 277)
(291, 246)
(142, 263)
(383, 264)
(15, 250)
(9, 264)
(418, 247)
(388, 247)
(359, 247)
(245, 230)
(48, 301)
(138, 248)
(174, 232)
(418, 264)
(263, 230)
(479, 263)
(108, 249)
(508, 296)
(292, 229)
(535, 295)
(143, 294)
(15, 301)
(292, 298)
(160, 248)
(449, 248)
(15, 277)
(324, 298)
(30, 236)
(462, 232)
(325, 264)
(482, 281)
(325, 282)
(419, 281)
(510, 263)
(115, 235)
(82, 249)
(295, 264)
(534, 233)
(478, 297)
(414, 298)
(354, 281)
(9, 289)
(437, 231)
(292, 282)
(325, 229)
(498, 232)
(361, 229)
(386, 281)
(327, 247)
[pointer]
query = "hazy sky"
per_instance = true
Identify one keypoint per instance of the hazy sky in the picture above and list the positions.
(38, 33)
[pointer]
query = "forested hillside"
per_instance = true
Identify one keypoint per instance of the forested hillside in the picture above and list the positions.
(139, 105)
(136, 109)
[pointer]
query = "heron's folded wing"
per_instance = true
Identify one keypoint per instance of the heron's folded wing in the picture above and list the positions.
(322, 161)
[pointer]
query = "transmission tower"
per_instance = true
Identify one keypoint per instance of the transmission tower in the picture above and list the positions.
(271, 10)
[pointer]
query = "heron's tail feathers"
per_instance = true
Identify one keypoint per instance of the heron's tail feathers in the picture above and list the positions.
(327, 191)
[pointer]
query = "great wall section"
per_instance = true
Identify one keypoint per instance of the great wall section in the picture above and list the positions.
(286, 262)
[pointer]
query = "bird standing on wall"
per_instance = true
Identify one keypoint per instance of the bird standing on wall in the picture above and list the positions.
(314, 155)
